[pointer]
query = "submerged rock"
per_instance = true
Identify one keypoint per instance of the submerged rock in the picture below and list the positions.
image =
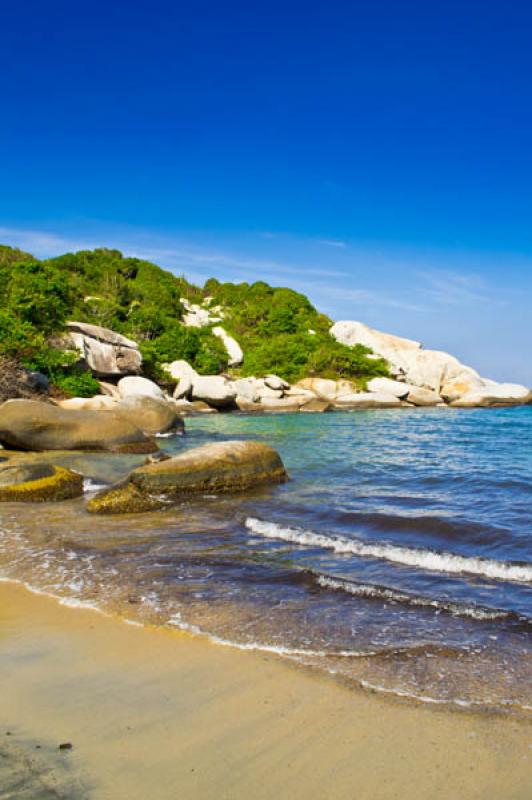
(214, 468)
(32, 425)
(38, 482)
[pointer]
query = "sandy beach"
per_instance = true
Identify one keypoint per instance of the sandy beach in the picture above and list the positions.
(163, 715)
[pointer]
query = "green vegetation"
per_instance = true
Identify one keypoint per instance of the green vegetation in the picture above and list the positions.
(279, 329)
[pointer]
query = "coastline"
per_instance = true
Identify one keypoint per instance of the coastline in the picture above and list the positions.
(152, 713)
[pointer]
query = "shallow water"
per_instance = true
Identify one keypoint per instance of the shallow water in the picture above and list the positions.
(398, 555)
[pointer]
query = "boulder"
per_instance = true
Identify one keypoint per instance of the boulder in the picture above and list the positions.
(282, 404)
(429, 369)
(276, 383)
(32, 425)
(462, 384)
(265, 393)
(233, 349)
(496, 394)
(367, 400)
(214, 468)
(423, 397)
(109, 389)
(247, 389)
(183, 374)
(105, 352)
(197, 316)
(243, 404)
(139, 387)
(325, 388)
(38, 482)
(315, 406)
(150, 415)
(215, 390)
(96, 403)
(189, 408)
(388, 386)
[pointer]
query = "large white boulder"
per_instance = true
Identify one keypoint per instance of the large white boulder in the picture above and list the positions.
(183, 374)
(215, 390)
(247, 389)
(325, 388)
(496, 394)
(105, 352)
(367, 400)
(462, 384)
(197, 316)
(141, 387)
(388, 386)
(233, 349)
(276, 383)
(429, 369)
(423, 397)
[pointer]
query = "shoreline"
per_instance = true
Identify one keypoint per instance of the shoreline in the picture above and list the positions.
(158, 713)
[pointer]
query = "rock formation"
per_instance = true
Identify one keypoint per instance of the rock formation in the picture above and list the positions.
(32, 425)
(214, 468)
(105, 352)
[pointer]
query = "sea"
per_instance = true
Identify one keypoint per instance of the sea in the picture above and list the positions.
(398, 556)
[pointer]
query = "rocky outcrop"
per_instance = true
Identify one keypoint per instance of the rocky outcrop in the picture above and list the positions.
(423, 397)
(215, 390)
(433, 370)
(213, 468)
(201, 316)
(500, 394)
(38, 482)
(152, 416)
(233, 349)
(367, 400)
(32, 425)
(388, 386)
(139, 387)
(105, 352)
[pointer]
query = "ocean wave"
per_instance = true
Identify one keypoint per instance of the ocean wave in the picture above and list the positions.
(371, 591)
(408, 556)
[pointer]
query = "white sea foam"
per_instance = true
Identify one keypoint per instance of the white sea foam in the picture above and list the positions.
(423, 559)
(392, 596)
(90, 485)
(279, 650)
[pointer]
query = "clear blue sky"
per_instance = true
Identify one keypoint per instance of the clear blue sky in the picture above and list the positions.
(376, 155)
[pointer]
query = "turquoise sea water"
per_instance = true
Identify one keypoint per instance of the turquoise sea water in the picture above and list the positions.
(398, 556)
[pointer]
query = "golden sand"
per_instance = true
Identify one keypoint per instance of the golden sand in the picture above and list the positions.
(155, 715)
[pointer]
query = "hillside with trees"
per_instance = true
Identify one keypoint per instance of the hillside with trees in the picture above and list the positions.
(278, 329)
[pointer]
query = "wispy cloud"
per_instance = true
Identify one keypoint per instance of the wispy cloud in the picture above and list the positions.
(457, 288)
(332, 243)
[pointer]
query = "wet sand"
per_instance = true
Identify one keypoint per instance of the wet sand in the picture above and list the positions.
(155, 714)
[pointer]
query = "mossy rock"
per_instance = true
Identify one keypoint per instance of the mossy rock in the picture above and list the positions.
(123, 498)
(37, 483)
(212, 469)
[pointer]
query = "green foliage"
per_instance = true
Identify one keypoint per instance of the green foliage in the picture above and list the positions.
(38, 294)
(142, 301)
(198, 346)
(272, 325)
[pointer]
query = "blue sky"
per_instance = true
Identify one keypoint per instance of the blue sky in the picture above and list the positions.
(375, 155)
